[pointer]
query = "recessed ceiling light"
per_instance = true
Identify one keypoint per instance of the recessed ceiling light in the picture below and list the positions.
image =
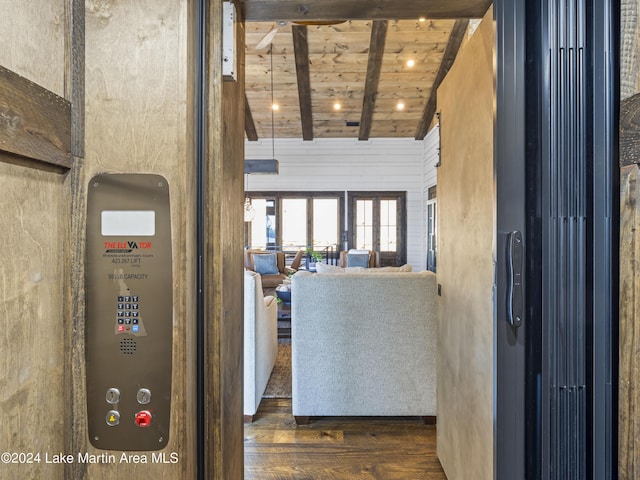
(411, 62)
(275, 107)
(400, 106)
(337, 106)
(422, 19)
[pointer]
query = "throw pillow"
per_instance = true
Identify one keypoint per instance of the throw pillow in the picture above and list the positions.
(357, 260)
(265, 263)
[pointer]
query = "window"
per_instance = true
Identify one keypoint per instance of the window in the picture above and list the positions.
(291, 221)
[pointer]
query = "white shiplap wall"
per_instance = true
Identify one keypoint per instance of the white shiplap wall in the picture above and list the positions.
(431, 155)
(341, 164)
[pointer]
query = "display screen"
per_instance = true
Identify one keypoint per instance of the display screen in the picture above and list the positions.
(140, 223)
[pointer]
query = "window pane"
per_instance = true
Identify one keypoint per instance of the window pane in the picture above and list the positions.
(364, 224)
(388, 241)
(259, 224)
(325, 222)
(294, 223)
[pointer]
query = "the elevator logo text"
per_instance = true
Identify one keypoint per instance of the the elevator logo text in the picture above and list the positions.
(125, 246)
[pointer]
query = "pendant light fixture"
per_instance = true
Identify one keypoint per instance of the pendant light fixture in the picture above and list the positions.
(249, 209)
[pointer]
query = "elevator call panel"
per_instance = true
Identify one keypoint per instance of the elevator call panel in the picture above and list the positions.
(129, 312)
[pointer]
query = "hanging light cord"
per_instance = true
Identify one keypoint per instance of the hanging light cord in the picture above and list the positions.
(273, 139)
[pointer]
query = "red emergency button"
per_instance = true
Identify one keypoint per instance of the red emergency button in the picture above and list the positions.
(143, 418)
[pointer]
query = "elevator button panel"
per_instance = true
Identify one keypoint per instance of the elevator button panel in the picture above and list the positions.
(129, 312)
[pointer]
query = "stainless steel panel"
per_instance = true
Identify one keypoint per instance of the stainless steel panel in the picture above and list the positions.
(129, 314)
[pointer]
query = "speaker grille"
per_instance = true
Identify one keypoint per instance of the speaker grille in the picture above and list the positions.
(128, 346)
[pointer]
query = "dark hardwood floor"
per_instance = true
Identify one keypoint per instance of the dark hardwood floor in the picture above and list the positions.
(335, 448)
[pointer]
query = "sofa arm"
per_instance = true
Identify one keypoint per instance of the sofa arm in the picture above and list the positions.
(268, 300)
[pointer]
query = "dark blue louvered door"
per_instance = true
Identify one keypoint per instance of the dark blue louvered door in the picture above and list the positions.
(572, 252)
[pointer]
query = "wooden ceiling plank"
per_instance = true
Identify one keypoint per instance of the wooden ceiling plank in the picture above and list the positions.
(301, 52)
(450, 53)
(268, 10)
(374, 64)
(249, 124)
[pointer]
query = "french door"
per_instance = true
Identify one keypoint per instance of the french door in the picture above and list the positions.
(378, 222)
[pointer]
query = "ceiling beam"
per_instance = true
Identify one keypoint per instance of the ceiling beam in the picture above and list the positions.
(450, 53)
(301, 51)
(249, 124)
(374, 64)
(316, 10)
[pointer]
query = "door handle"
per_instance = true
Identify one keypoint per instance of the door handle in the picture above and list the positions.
(515, 302)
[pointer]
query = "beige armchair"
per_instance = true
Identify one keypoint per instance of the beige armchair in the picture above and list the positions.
(277, 261)
(260, 342)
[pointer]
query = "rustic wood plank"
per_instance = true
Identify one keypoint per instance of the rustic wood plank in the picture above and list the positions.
(630, 131)
(301, 51)
(249, 124)
(450, 53)
(376, 52)
(223, 232)
(338, 447)
(266, 10)
(74, 66)
(75, 439)
(629, 333)
(34, 122)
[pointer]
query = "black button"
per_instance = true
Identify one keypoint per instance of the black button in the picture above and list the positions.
(120, 299)
(135, 321)
(128, 306)
(120, 306)
(135, 306)
(135, 298)
(120, 321)
(127, 299)
(121, 313)
(135, 314)
(127, 321)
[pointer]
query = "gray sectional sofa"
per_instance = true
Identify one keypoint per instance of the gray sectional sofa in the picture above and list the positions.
(364, 344)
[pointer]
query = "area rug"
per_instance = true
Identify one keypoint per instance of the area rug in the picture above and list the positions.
(279, 385)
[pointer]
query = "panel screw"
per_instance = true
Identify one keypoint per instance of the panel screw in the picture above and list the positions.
(160, 184)
(96, 184)
(161, 439)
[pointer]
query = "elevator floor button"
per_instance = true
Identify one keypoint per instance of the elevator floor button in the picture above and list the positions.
(112, 396)
(143, 396)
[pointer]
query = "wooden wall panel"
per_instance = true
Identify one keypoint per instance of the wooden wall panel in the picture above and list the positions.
(466, 236)
(629, 391)
(629, 331)
(33, 41)
(224, 272)
(137, 117)
(32, 259)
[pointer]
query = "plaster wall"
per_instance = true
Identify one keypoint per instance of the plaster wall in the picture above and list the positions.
(465, 266)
